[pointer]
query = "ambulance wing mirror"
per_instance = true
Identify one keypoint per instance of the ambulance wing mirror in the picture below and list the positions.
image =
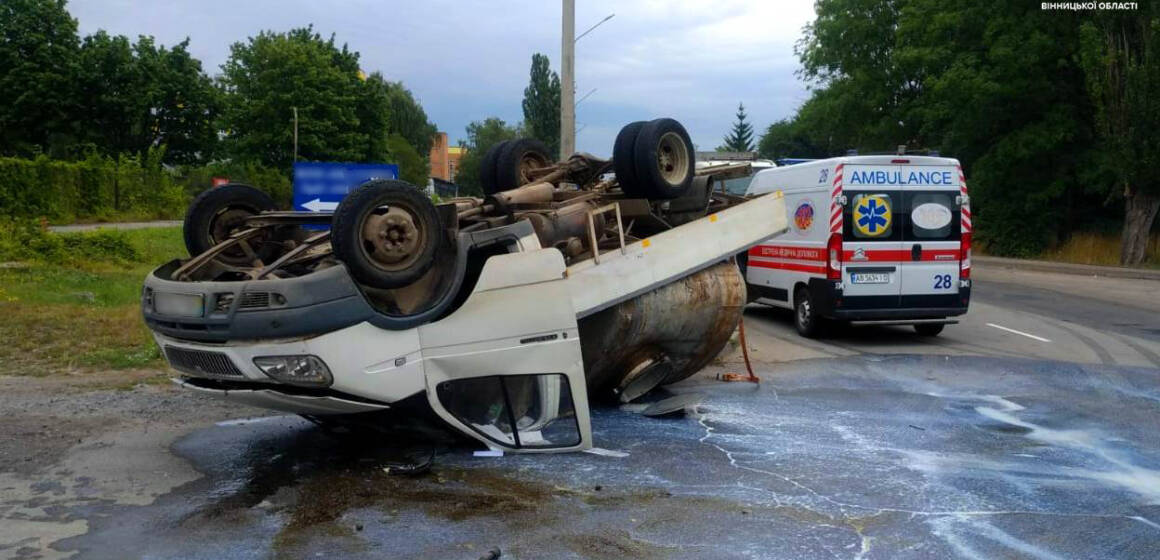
(842, 201)
(962, 200)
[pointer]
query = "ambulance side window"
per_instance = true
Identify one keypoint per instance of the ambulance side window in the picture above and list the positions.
(931, 216)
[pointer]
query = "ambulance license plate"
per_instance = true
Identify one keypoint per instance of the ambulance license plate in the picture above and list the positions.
(870, 278)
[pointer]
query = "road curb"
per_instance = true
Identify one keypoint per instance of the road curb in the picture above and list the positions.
(1069, 268)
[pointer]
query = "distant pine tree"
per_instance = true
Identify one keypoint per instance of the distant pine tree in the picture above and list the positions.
(741, 138)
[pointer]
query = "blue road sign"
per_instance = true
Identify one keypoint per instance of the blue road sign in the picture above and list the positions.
(319, 186)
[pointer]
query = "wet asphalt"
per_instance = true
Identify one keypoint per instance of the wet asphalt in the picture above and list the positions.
(872, 443)
(858, 457)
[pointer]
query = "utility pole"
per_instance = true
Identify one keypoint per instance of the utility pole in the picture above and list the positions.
(567, 80)
(295, 133)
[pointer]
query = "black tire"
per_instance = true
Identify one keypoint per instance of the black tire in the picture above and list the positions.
(805, 316)
(623, 155)
(929, 329)
(216, 213)
(364, 257)
(664, 160)
(516, 159)
(487, 167)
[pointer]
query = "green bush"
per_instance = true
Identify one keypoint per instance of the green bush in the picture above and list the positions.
(30, 241)
(127, 187)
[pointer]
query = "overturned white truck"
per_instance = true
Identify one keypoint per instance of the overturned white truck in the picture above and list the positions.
(503, 314)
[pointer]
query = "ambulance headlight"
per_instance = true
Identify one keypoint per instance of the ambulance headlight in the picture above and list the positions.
(305, 371)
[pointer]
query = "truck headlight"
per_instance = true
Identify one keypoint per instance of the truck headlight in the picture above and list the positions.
(307, 371)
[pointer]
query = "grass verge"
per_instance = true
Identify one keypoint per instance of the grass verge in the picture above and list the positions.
(1099, 249)
(70, 302)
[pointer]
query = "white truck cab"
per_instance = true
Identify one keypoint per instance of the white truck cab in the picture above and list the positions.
(875, 239)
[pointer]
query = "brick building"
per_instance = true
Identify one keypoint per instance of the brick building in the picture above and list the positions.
(444, 158)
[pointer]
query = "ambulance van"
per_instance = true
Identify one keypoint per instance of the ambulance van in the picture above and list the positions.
(872, 240)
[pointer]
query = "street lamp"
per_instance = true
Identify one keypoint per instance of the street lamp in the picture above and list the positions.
(568, 40)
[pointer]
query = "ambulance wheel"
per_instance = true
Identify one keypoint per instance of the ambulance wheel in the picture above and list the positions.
(516, 162)
(221, 211)
(664, 159)
(929, 329)
(487, 168)
(386, 233)
(805, 315)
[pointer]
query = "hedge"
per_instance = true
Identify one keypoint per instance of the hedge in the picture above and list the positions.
(101, 188)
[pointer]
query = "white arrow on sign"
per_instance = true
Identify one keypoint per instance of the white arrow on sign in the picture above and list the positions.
(318, 205)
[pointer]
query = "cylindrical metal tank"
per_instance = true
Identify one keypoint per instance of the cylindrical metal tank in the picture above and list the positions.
(679, 327)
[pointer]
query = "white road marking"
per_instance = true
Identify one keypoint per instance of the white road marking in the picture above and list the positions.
(1002, 328)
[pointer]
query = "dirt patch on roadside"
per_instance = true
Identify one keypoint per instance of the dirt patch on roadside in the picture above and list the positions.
(46, 416)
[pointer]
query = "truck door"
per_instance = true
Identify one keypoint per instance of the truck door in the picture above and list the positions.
(930, 234)
(872, 249)
(505, 368)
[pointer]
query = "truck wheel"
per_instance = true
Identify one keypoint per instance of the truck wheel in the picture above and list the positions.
(487, 167)
(386, 232)
(220, 211)
(623, 155)
(929, 329)
(664, 160)
(805, 315)
(515, 163)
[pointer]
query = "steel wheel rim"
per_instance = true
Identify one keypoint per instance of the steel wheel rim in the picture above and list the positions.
(391, 238)
(528, 162)
(672, 158)
(225, 223)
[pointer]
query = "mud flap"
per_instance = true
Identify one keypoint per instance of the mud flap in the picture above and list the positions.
(506, 368)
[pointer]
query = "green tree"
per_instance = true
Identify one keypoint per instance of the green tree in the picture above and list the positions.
(413, 167)
(182, 105)
(374, 118)
(786, 139)
(409, 119)
(113, 95)
(1121, 57)
(1003, 92)
(268, 76)
(996, 85)
(138, 96)
(38, 57)
(740, 139)
(542, 104)
(481, 136)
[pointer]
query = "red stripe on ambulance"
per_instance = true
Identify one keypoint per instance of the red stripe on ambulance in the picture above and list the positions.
(796, 267)
(835, 208)
(789, 252)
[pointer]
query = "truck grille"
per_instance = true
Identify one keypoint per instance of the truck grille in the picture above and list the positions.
(201, 362)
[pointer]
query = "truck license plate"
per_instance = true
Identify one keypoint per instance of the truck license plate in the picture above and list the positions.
(870, 278)
(179, 305)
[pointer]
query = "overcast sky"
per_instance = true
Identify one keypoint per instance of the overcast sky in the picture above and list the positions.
(693, 60)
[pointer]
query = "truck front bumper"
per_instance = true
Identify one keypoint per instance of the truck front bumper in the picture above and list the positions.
(370, 369)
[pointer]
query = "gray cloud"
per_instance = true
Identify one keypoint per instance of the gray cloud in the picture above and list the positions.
(693, 60)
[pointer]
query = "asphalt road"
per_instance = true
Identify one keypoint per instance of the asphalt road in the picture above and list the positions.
(1037, 315)
(1034, 440)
